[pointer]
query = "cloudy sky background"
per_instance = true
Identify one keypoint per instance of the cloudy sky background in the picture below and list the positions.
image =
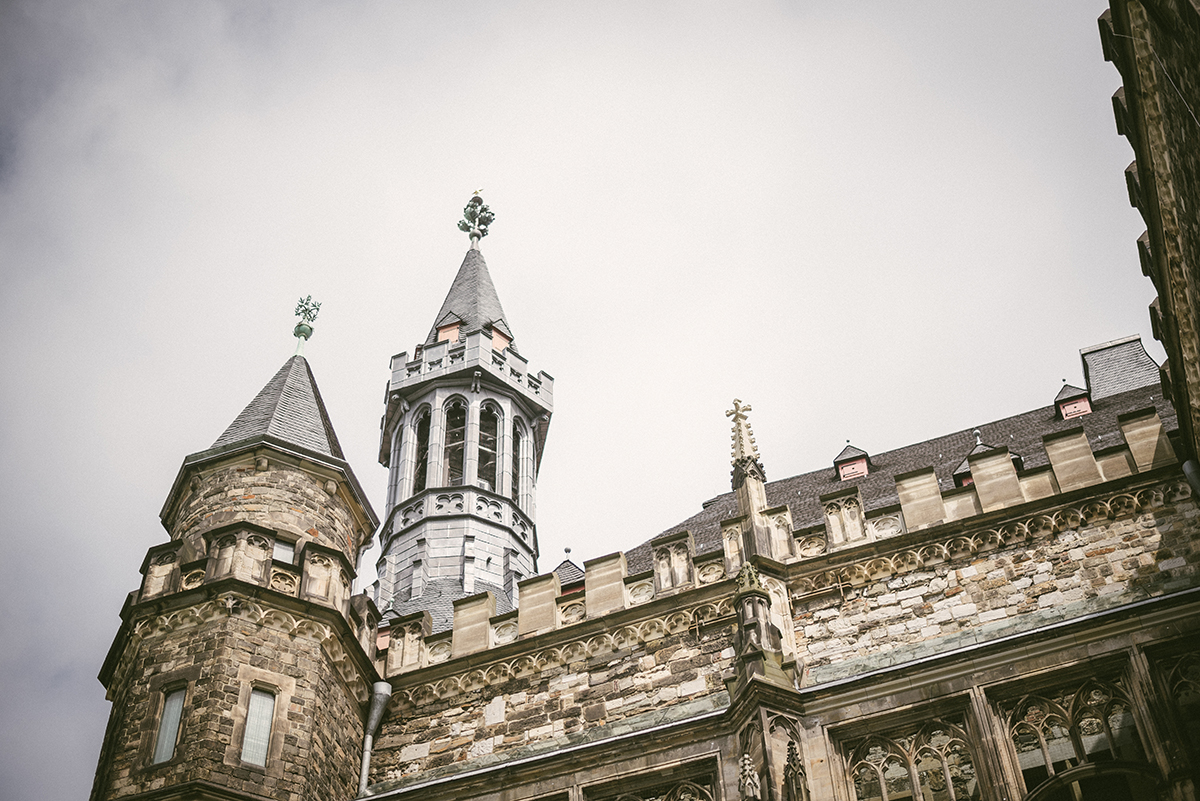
(873, 221)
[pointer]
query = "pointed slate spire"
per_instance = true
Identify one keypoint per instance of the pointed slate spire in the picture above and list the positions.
(472, 300)
(289, 409)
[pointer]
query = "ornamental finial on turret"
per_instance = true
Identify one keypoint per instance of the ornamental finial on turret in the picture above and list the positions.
(306, 310)
(744, 446)
(476, 219)
(745, 451)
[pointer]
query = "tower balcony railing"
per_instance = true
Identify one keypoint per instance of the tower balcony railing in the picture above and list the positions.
(463, 500)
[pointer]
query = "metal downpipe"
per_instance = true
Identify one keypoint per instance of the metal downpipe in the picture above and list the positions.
(381, 693)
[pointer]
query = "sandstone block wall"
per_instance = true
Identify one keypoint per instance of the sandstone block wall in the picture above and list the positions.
(977, 587)
(316, 730)
(280, 496)
(589, 689)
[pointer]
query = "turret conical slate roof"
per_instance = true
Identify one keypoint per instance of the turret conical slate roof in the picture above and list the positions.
(288, 409)
(472, 300)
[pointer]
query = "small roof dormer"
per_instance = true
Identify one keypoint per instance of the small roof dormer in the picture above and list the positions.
(1072, 402)
(851, 463)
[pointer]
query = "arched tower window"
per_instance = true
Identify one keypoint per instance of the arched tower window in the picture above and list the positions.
(517, 439)
(421, 472)
(489, 435)
(456, 438)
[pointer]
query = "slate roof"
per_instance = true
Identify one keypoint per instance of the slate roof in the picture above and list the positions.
(849, 452)
(472, 300)
(1068, 392)
(568, 573)
(438, 599)
(1022, 434)
(1118, 366)
(289, 408)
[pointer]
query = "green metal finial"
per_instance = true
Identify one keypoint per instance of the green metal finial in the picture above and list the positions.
(476, 219)
(306, 310)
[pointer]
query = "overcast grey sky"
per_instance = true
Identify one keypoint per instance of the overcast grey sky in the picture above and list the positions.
(873, 221)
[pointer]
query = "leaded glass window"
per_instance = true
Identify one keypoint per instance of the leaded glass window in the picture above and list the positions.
(258, 727)
(489, 434)
(456, 439)
(421, 470)
(168, 725)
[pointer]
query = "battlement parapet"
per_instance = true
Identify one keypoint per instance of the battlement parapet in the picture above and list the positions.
(475, 352)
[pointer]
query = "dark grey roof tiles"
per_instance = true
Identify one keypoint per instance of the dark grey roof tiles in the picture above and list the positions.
(289, 408)
(568, 573)
(1068, 392)
(1118, 366)
(1021, 434)
(438, 599)
(849, 452)
(472, 299)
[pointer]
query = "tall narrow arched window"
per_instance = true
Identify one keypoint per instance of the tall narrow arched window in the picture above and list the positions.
(421, 471)
(489, 434)
(456, 437)
(517, 442)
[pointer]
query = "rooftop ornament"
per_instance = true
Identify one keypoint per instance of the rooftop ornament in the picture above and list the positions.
(476, 219)
(306, 310)
(745, 451)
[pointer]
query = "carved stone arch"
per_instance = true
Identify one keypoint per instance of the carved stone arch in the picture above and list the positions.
(688, 791)
(1055, 785)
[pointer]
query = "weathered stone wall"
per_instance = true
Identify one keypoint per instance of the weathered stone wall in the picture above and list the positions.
(1156, 46)
(281, 496)
(218, 654)
(1060, 564)
(593, 689)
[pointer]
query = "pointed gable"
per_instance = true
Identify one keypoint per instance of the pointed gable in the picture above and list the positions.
(472, 299)
(288, 409)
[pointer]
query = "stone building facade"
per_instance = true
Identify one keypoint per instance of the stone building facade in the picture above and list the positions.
(1011, 612)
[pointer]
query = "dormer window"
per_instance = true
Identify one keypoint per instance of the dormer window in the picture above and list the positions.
(448, 333)
(849, 470)
(1072, 402)
(851, 463)
(1075, 408)
(499, 340)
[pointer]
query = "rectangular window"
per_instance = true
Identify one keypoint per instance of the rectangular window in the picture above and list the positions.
(168, 725)
(284, 552)
(258, 727)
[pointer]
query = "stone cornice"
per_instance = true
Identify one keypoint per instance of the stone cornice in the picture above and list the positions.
(231, 598)
(965, 538)
(708, 604)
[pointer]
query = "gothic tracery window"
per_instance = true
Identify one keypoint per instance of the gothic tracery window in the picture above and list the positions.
(1056, 731)
(932, 763)
(1182, 676)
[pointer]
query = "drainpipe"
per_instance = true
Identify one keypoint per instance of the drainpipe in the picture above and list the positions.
(1191, 471)
(381, 693)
